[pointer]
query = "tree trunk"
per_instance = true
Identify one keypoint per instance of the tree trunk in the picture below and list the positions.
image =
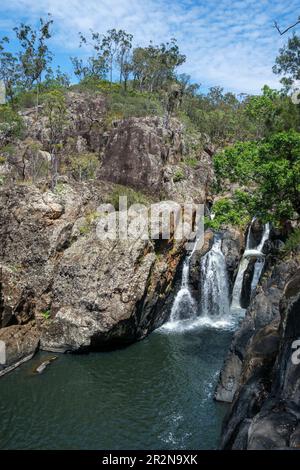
(54, 169)
(37, 100)
(111, 70)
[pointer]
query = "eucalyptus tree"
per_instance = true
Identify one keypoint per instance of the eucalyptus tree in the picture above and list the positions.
(34, 56)
(55, 110)
(110, 49)
(115, 46)
(10, 70)
(287, 63)
(92, 67)
(153, 66)
(124, 41)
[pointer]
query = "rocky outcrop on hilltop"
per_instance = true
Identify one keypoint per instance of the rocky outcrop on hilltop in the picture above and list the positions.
(143, 153)
(258, 376)
(84, 128)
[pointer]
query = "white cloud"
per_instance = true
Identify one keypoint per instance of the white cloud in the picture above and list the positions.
(227, 42)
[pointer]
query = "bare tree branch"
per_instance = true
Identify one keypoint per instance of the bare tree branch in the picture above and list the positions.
(287, 29)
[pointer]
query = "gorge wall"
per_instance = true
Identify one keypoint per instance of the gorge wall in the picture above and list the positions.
(63, 289)
(259, 376)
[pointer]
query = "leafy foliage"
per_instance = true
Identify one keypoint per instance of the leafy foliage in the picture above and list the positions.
(288, 61)
(270, 173)
(178, 175)
(84, 166)
(46, 314)
(11, 125)
(133, 196)
(10, 70)
(229, 212)
(293, 242)
(34, 55)
(56, 112)
(133, 103)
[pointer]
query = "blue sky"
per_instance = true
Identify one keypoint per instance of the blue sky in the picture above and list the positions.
(231, 43)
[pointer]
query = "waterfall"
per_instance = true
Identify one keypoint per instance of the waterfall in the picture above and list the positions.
(238, 284)
(213, 309)
(214, 282)
(184, 306)
(265, 237)
(248, 240)
(258, 267)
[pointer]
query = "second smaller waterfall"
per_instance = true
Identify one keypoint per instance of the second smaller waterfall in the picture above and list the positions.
(256, 253)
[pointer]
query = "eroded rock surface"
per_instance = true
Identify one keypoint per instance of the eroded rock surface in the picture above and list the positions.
(17, 344)
(259, 376)
(142, 153)
(81, 292)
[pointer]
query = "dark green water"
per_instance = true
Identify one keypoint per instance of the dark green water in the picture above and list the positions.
(155, 394)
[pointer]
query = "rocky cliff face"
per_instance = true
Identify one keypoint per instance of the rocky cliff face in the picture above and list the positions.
(258, 376)
(77, 292)
(142, 153)
(84, 127)
(63, 289)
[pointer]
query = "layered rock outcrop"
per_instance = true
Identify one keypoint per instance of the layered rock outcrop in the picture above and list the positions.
(143, 154)
(258, 376)
(80, 292)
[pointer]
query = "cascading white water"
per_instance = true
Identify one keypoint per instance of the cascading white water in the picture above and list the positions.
(248, 240)
(265, 237)
(238, 284)
(214, 283)
(184, 305)
(258, 267)
(260, 261)
(213, 310)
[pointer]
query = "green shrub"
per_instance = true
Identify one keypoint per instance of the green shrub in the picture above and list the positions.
(90, 218)
(84, 166)
(178, 176)
(293, 242)
(269, 169)
(95, 84)
(134, 104)
(46, 314)
(84, 229)
(191, 162)
(8, 149)
(26, 99)
(228, 212)
(61, 189)
(133, 197)
(104, 86)
(11, 124)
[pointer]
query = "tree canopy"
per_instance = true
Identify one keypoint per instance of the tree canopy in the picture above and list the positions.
(268, 173)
